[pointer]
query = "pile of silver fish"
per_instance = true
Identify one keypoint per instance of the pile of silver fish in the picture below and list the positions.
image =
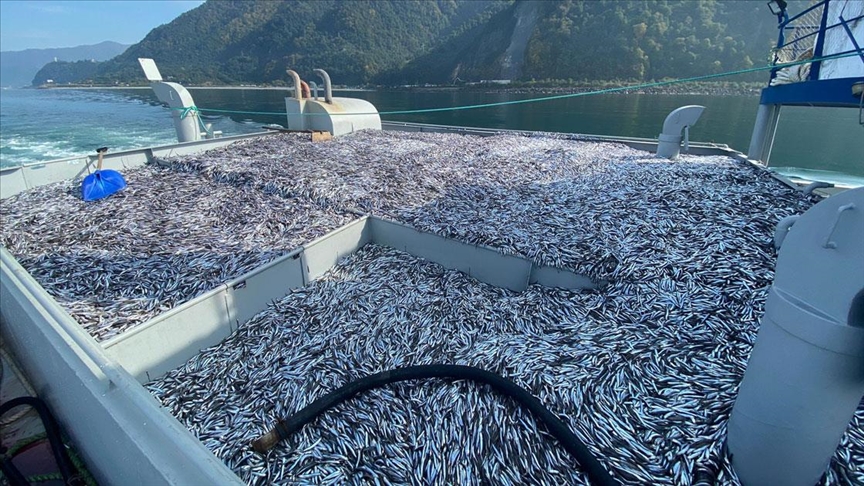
(389, 172)
(168, 237)
(644, 369)
(649, 397)
(559, 202)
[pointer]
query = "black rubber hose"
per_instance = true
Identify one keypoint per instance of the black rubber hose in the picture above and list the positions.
(52, 430)
(592, 467)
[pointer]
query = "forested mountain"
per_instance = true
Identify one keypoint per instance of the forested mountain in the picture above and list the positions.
(229, 41)
(419, 41)
(17, 68)
(603, 40)
(62, 72)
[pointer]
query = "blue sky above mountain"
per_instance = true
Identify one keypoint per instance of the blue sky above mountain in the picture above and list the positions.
(49, 24)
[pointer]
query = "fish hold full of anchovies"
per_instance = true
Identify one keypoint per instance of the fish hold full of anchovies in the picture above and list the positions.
(645, 369)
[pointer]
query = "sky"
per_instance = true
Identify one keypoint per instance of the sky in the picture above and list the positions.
(40, 24)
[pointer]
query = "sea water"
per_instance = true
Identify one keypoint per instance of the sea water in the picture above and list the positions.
(39, 125)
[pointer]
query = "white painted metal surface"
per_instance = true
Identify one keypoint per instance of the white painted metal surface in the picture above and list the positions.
(185, 115)
(838, 40)
(764, 131)
(804, 379)
(677, 123)
(151, 71)
(343, 116)
(339, 116)
(123, 434)
(16, 179)
(150, 350)
(167, 341)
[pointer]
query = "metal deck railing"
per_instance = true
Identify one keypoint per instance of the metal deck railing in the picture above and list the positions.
(801, 37)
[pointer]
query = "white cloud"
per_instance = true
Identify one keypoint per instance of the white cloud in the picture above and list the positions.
(48, 8)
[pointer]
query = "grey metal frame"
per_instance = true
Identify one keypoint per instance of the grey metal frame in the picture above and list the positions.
(150, 350)
(16, 179)
(119, 428)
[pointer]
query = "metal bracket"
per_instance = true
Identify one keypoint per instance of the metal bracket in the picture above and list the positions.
(852, 37)
(828, 242)
(687, 139)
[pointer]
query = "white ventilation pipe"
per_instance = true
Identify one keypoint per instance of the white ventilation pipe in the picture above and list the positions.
(328, 89)
(183, 110)
(678, 121)
(298, 93)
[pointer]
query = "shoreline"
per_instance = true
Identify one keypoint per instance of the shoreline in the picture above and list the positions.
(683, 89)
(257, 88)
(689, 89)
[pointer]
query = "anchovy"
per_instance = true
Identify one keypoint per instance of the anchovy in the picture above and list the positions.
(644, 369)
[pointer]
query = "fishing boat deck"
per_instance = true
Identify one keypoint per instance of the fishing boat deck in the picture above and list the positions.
(644, 369)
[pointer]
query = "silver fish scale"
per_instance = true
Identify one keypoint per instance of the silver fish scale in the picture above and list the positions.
(165, 239)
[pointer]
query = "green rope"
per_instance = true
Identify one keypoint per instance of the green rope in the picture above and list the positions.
(187, 110)
(83, 472)
(274, 113)
(204, 127)
(544, 98)
(41, 478)
(12, 451)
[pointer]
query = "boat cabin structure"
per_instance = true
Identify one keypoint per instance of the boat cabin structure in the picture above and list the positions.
(825, 46)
